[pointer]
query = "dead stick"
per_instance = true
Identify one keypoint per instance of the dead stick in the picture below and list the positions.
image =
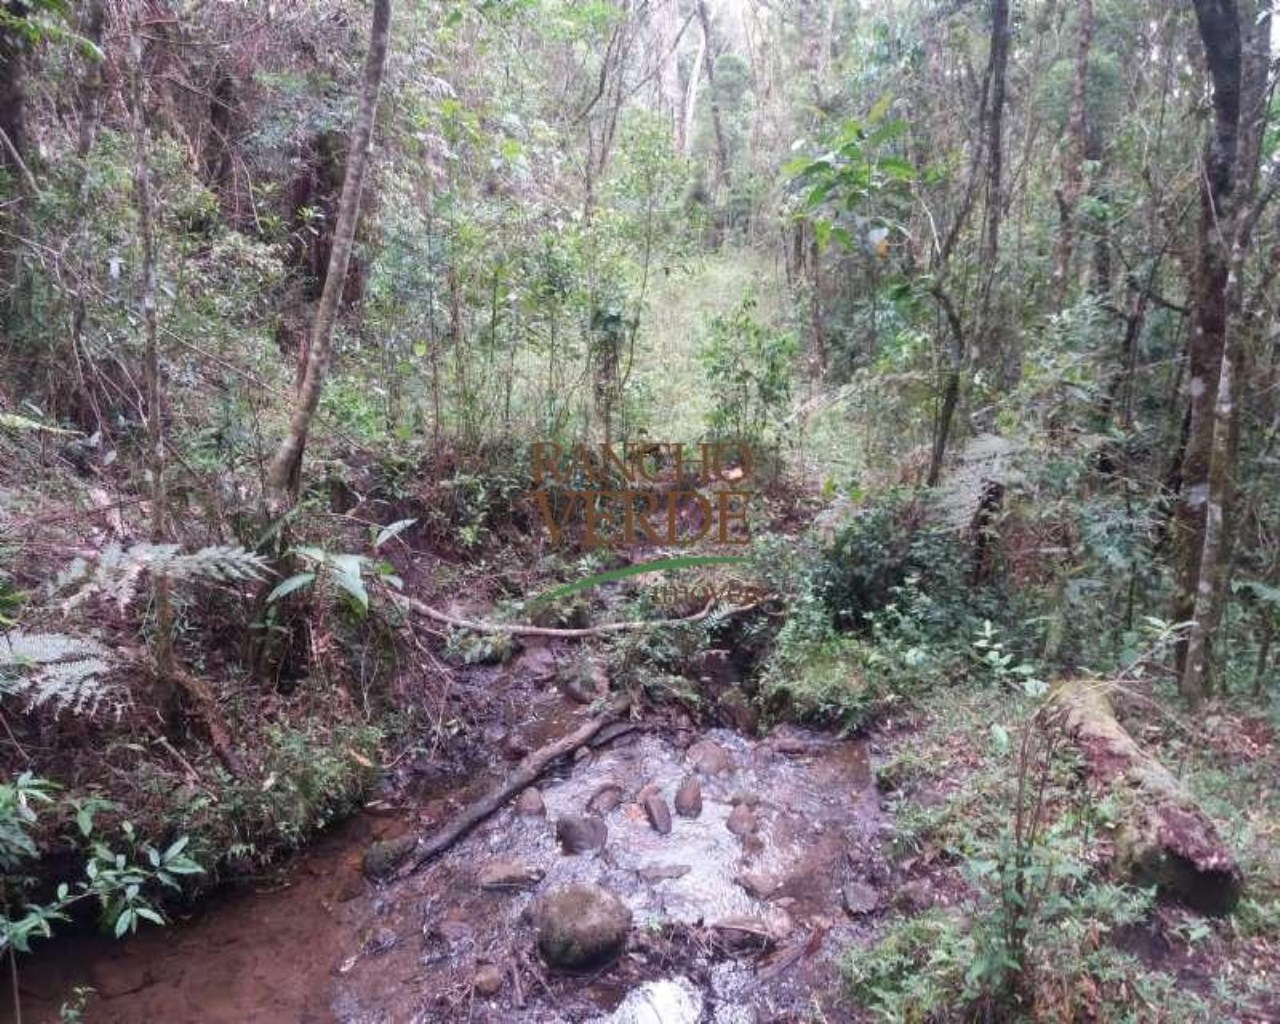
(524, 775)
(515, 629)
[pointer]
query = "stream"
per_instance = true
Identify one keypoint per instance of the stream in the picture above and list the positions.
(739, 915)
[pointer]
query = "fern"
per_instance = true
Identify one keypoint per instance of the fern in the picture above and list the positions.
(115, 573)
(64, 672)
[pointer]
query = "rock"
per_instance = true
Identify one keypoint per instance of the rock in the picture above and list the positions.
(509, 874)
(384, 856)
(605, 799)
(584, 680)
(744, 932)
(914, 896)
(376, 941)
(662, 872)
(659, 816)
(743, 820)
(689, 798)
(677, 1001)
(488, 980)
(736, 712)
(758, 884)
(708, 757)
(859, 898)
(538, 663)
(529, 804)
(452, 930)
(581, 833)
(581, 926)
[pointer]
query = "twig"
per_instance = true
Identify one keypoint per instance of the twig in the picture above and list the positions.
(28, 178)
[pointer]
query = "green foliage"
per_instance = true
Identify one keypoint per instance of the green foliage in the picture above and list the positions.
(119, 874)
(749, 369)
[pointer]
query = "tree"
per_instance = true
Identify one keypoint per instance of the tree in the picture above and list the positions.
(284, 473)
(1237, 55)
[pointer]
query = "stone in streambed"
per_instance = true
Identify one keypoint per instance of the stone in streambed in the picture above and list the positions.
(662, 872)
(689, 798)
(581, 926)
(509, 874)
(659, 816)
(529, 804)
(742, 820)
(487, 981)
(605, 799)
(708, 757)
(581, 833)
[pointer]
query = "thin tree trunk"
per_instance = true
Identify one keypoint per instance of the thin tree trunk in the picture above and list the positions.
(709, 64)
(691, 97)
(284, 473)
(1201, 520)
(1073, 187)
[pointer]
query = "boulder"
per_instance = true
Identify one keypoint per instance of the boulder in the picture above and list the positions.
(384, 856)
(659, 816)
(605, 799)
(581, 926)
(689, 798)
(529, 804)
(708, 757)
(579, 833)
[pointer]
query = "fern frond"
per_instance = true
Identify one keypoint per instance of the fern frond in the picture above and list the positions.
(115, 573)
(67, 673)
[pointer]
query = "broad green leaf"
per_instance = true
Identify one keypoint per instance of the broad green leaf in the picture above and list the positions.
(287, 587)
(394, 530)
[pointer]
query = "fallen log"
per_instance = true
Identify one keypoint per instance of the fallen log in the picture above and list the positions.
(1165, 838)
(524, 774)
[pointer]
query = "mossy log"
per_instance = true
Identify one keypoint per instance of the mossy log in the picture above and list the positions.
(1165, 838)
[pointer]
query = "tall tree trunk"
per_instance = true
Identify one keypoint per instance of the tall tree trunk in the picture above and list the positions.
(1077, 134)
(284, 474)
(691, 97)
(1237, 53)
(721, 178)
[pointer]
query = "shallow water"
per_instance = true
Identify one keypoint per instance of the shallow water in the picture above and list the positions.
(326, 946)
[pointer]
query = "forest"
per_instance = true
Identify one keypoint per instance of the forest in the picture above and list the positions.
(639, 511)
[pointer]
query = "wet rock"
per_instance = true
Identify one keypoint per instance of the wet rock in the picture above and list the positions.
(384, 856)
(529, 804)
(743, 820)
(350, 887)
(581, 833)
(538, 663)
(488, 980)
(509, 874)
(605, 799)
(581, 926)
(859, 898)
(736, 711)
(376, 941)
(708, 757)
(757, 884)
(662, 872)
(740, 933)
(689, 798)
(659, 816)
(674, 1001)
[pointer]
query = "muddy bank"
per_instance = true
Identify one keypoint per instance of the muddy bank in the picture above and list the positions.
(738, 913)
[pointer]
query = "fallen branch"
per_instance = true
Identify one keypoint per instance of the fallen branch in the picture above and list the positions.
(1165, 838)
(525, 774)
(516, 629)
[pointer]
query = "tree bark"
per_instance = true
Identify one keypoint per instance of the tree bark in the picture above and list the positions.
(721, 178)
(1164, 837)
(1077, 132)
(284, 474)
(1237, 54)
